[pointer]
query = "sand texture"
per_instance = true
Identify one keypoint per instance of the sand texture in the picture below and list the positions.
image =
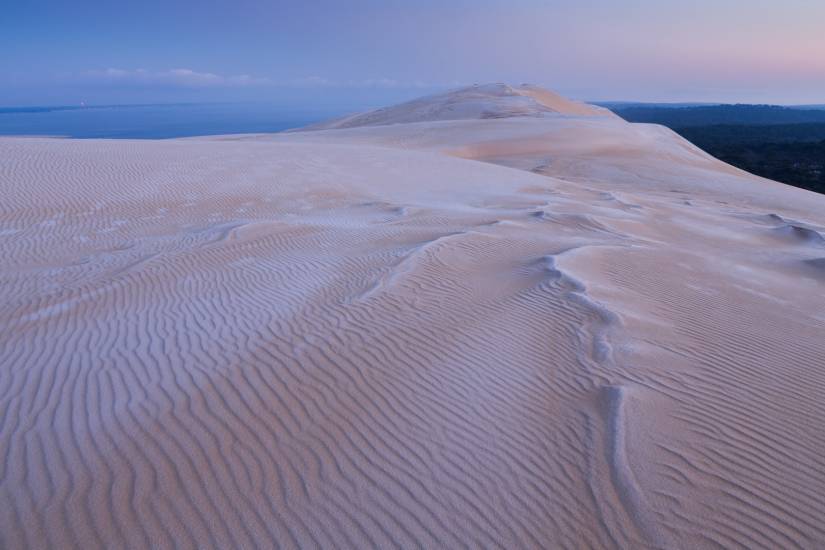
(489, 319)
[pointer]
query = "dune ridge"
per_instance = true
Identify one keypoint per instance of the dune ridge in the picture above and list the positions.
(487, 101)
(409, 330)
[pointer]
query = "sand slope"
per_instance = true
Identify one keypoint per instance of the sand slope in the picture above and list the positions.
(487, 101)
(598, 337)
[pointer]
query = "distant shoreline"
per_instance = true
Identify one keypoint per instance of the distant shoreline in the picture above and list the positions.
(156, 121)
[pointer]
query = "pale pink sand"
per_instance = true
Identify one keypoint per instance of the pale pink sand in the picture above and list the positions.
(599, 337)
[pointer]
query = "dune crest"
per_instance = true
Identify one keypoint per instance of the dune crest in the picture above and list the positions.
(473, 102)
(491, 318)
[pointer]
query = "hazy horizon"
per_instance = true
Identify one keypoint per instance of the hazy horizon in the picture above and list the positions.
(353, 104)
(379, 52)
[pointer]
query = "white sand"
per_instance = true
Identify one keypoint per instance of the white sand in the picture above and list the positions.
(364, 337)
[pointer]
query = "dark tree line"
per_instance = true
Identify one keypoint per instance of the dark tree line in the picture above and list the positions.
(779, 143)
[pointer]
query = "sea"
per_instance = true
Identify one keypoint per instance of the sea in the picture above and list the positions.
(157, 121)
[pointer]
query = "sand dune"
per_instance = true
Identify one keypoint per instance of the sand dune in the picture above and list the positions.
(424, 327)
(488, 101)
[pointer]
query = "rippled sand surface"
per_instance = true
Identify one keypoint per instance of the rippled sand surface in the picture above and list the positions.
(536, 328)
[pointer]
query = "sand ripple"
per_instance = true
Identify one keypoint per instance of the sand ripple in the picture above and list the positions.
(215, 344)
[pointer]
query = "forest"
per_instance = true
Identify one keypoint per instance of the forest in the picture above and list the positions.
(780, 143)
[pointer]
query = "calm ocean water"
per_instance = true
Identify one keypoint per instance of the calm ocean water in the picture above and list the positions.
(156, 121)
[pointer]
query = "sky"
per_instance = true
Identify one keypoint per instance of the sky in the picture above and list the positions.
(359, 52)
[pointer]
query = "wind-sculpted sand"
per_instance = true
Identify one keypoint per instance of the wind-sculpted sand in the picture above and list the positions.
(542, 328)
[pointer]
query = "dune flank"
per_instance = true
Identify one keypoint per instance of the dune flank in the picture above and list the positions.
(488, 319)
(487, 101)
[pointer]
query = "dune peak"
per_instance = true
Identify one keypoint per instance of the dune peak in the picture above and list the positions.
(479, 101)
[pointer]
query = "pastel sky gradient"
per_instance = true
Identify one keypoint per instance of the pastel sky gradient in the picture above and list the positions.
(379, 50)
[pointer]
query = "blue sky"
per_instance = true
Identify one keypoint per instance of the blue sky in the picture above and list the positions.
(369, 51)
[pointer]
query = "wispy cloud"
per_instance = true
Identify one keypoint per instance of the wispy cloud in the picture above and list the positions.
(381, 82)
(191, 79)
(182, 78)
